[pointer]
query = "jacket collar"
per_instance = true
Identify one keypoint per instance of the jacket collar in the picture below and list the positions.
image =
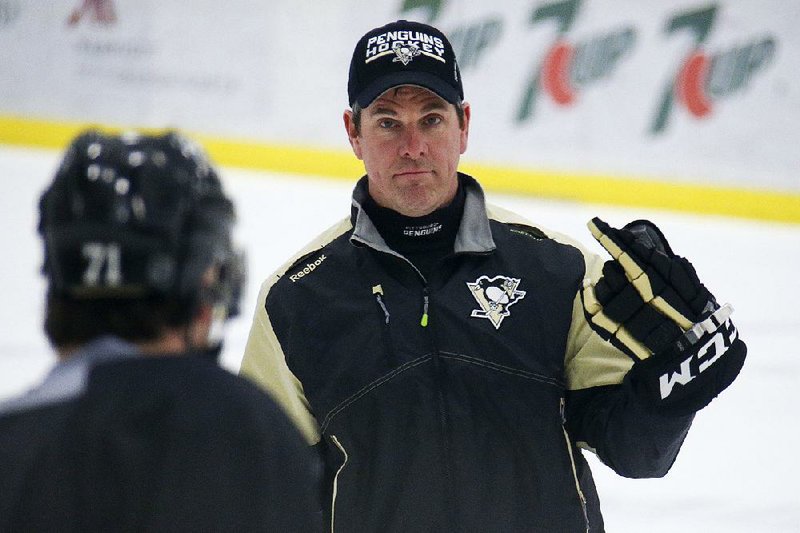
(474, 233)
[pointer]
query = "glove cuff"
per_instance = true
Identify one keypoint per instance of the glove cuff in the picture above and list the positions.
(689, 374)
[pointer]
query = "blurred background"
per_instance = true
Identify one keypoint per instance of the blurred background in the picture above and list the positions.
(687, 105)
(683, 112)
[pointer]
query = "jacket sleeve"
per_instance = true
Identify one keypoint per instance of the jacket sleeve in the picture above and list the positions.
(631, 439)
(602, 413)
(264, 360)
(264, 363)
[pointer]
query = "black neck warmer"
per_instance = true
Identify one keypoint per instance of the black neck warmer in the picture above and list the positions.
(423, 240)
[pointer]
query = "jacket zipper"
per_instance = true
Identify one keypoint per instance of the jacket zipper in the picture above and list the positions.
(377, 290)
(388, 346)
(336, 480)
(581, 496)
(425, 300)
(444, 424)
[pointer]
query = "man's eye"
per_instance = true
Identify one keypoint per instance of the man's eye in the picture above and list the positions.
(386, 124)
(432, 120)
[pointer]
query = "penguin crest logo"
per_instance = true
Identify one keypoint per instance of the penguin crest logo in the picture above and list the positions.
(495, 296)
(405, 52)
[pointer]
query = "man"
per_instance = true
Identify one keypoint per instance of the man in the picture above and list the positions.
(137, 428)
(447, 358)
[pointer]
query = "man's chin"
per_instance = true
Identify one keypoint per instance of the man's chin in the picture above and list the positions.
(416, 205)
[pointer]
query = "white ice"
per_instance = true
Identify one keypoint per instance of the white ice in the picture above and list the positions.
(738, 469)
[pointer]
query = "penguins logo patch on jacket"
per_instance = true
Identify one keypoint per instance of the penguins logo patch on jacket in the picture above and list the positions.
(495, 295)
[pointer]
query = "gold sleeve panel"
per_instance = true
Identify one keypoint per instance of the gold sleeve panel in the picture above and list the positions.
(505, 216)
(591, 361)
(264, 361)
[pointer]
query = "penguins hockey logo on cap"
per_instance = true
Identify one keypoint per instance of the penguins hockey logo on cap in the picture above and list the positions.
(405, 53)
(405, 45)
(495, 296)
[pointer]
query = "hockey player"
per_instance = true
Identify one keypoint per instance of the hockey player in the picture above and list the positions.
(137, 428)
(449, 358)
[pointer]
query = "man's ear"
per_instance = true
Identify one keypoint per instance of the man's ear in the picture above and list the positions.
(200, 325)
(204, 310)
(352, 135)
(465, 128)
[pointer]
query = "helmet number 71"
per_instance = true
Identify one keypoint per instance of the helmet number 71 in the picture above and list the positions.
(100, 255)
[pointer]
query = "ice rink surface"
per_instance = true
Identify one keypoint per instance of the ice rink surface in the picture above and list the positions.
(738, 470)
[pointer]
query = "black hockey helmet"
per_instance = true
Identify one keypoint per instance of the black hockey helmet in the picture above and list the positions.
(134, 215)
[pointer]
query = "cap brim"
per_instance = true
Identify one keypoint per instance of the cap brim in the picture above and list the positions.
(395, 79)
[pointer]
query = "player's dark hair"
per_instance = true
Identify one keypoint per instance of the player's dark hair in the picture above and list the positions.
(70, 322)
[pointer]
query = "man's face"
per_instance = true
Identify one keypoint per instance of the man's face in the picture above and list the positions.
(410, 142)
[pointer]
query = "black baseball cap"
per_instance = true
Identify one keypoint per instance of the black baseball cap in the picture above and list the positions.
(403, 53)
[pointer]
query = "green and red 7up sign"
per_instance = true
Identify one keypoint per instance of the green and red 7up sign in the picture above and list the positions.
(704, 77)
(700, 78)
(569, 67)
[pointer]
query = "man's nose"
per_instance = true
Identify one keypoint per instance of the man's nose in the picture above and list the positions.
(414, 145)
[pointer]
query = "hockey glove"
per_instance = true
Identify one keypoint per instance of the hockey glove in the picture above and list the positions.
(651, 305)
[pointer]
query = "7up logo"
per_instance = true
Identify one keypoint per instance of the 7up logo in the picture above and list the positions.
(568, 67)
(470, 40)
(702, 78)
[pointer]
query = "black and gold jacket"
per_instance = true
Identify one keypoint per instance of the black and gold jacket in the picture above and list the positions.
(455, 402)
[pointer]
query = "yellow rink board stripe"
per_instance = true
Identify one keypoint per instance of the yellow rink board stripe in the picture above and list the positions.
(591, 188)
